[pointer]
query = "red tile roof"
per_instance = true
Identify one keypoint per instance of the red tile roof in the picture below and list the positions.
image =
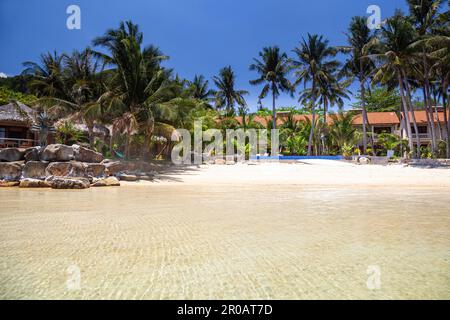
(374, 118)
(421, 117)
(378, 118)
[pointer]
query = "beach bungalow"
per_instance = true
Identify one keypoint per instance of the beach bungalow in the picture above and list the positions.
(16, 120)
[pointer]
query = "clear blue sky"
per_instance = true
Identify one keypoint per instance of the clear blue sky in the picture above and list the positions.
(200, 36)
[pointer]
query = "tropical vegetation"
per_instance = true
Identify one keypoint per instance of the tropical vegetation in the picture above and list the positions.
(121, 84)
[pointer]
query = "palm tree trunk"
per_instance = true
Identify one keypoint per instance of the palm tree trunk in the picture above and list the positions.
(311, 132)
(364, 115)
(313, 110)
(413, 115)
(427, 101)
(322, 150)
(274, 111)
(406, 113)
(436, 115)
(429, 110)
(446, 113)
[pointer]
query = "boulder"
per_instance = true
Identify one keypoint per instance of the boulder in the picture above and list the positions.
(86, 155)
(10, 171)
(96, 170)
(8, 184)
(58, 169)
(11, 154)
(107, 182)
(69, 183)
(57, 152)
(127, 177)
(32, 154)
(35, 170)
(77, 169)
(34, 183)
(113, 168)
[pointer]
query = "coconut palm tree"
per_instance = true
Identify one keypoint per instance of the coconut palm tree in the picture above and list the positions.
(226, 95)
(199, 90)
(314, 67)
(424, 17)
(84, 85)
(358, 65)
(69, 85)
(394, 55)
(47, 75)
(273, 68)
(139, 86)
(342, 131)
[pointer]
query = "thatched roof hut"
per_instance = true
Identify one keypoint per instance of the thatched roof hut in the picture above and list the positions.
(17, 113)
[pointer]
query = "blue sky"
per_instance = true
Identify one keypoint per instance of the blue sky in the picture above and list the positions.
(200, 36)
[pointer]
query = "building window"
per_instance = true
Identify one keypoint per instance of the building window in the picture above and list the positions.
(423, 129)
(2, 133)
(380, 130)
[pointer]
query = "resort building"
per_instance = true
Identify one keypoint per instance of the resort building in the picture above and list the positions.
(381, 122)
(16, 120)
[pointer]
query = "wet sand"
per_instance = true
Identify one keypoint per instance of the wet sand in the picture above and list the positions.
(182, 238)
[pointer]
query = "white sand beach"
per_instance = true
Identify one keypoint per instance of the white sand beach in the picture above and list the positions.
(308, 172)
(315, 230)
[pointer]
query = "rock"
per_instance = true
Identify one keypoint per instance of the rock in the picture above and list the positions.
(96, 170)
(34, 183)
(363, 160)
(58, 169)
(10, 171)
(127, 177)
(35, 170)
(77, 169)
(8, 184)
(107, 182)
(32, 154)
(113, 168)
(86, 155)
(57, 152)
(70, 183)
(11, 154)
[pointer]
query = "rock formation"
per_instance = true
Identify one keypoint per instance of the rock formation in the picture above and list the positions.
(66, 167)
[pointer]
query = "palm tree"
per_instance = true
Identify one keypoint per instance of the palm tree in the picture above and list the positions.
(69, 85)
(313, 66)
(358, 66)
(226, 95)
(47, 76)
(139, 85)
(199, 90)
(394, 54)
(423, 16)
(273, 69)
(342, 131)
(84, 85)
